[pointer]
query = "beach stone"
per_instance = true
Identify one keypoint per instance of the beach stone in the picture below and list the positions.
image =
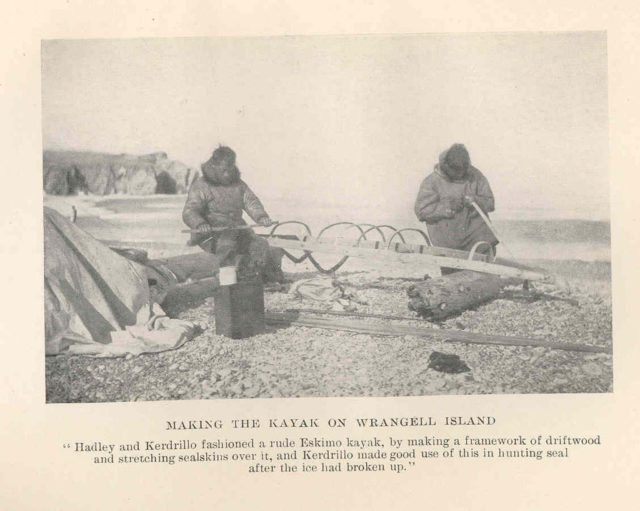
(252, 391)
(237, 388)
(592, 369)
(223, 373)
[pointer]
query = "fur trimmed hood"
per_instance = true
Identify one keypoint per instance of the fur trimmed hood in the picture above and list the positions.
(213, 174)
(456, 156)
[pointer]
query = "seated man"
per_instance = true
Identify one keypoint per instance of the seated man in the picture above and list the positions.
(445, 203)
(217, 199)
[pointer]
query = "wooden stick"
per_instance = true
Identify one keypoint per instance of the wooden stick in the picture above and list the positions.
(219, 229)
(427, 256)
(231, 227)
(349, 325)
(354, 314)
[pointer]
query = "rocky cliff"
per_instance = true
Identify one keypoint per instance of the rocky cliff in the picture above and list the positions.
(71, 172)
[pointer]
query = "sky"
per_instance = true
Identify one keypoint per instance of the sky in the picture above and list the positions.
(354, 122)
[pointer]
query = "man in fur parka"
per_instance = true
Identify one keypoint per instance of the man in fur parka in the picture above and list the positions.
(445, 203)
(217, 199)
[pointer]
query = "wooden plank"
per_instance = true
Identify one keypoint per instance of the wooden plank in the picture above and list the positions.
(408, 248)
(392, 256)
(399, 247)
(357, 326)
(353, 314)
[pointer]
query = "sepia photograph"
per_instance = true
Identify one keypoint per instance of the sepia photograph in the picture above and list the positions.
(326, 216)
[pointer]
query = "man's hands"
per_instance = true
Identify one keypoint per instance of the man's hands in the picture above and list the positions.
(204, 229)
(456, 204)
(451, 206)
(469, 200)
(265, 221)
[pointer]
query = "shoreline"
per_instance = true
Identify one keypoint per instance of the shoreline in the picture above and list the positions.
(154, 222)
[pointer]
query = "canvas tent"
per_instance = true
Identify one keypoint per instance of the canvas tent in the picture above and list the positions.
(98, 302)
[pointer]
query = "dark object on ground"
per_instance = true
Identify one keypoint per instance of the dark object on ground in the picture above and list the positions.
(446, 363)
(439, 298)
(239, 309)
(351, 325)
(192, 266)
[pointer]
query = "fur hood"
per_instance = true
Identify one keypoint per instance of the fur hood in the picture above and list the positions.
(442, 166)
(213, 175)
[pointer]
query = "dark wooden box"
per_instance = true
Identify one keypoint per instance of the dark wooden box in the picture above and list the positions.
(239, 309)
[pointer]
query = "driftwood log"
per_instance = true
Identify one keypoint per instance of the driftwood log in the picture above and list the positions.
(445, 296)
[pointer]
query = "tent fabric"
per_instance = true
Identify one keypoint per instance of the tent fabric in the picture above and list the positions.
(160, 333)
(93, 294)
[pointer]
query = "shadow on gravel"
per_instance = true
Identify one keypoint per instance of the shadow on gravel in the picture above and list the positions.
(524, 297)
(187, 296)
(313, 274)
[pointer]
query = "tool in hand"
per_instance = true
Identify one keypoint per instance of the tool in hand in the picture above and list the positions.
(230, 227)
(527, 285)
(214, 230)
(486, 220)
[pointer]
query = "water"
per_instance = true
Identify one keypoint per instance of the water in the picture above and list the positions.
(157, 219)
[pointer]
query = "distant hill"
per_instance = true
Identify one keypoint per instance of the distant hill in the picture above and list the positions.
(71, 172)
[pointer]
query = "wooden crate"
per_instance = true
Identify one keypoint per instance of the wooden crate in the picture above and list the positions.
(239, 309)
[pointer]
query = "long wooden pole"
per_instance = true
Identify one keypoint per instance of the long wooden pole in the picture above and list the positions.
(350, 325)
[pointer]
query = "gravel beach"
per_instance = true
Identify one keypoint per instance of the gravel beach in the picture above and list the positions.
(300, 361)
